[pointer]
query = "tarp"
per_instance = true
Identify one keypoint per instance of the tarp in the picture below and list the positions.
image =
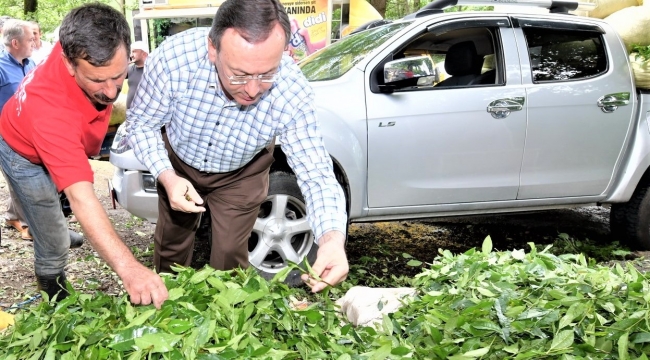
(361, 12)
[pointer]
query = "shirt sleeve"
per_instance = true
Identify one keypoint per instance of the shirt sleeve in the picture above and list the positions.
(149, 112)
(310, 161)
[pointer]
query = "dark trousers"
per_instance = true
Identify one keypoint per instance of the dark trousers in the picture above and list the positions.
(234, 200)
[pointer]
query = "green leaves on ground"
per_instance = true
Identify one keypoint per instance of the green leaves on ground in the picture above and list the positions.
(528, 306)
(476, 305)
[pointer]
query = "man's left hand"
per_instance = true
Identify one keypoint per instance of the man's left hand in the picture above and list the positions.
(331, 262)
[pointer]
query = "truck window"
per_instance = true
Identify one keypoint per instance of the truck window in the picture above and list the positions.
(462, 57)
(561, 55)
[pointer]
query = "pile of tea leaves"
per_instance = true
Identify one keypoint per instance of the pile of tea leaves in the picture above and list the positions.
(480, 304)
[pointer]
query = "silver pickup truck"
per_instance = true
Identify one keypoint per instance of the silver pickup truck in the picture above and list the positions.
(461, 113)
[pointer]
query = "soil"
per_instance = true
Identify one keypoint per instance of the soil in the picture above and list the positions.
(379, 248)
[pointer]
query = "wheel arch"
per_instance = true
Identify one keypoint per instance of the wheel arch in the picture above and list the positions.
(282, 165)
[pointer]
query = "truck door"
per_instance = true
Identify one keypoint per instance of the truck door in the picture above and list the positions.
(576, 86)
(454, 134)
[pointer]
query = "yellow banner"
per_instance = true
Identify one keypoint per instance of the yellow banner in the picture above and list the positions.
(361, 12)
(309, 26)
(194, 3)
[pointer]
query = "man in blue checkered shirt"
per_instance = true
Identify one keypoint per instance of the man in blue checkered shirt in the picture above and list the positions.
(223, 96)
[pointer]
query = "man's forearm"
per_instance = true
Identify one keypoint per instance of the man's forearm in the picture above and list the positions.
(166, 176)
(332, 235)
(97, 227)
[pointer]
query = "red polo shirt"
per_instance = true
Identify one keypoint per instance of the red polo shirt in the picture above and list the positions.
(50, 121)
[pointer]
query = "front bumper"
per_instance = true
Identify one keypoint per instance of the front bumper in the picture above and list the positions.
(127, 189)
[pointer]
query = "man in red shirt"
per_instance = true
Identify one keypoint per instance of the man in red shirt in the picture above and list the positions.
(49, 128)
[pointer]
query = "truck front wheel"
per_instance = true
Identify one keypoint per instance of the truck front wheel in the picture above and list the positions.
(281, 233)
(630, 222)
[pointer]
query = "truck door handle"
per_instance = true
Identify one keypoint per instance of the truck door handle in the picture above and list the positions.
(501, 108)
(610, 102)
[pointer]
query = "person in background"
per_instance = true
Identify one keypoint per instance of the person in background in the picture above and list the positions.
(18, 42)
(139, 53)
(3, 19)
(18, 49)
(56, 120)
(42, 48)
(223, 95)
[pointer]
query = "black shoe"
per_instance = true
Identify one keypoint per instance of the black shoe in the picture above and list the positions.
(76, 239)
(53, 285)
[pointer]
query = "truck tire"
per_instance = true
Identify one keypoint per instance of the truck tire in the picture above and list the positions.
(630, 221)
(281, 232)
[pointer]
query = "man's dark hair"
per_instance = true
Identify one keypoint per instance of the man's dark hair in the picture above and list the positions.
(253, 19)
(94, 32)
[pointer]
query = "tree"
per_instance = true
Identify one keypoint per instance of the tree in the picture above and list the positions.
(50, 13)
(380, 6)
(396, 9)
(30, 6)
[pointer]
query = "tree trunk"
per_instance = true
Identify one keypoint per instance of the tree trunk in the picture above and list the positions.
(30, 6)
(417, 5)
(380, 6)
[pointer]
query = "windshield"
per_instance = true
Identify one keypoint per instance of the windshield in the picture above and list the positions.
(335, 60)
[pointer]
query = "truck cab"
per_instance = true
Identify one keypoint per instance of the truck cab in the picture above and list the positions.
(502, 112)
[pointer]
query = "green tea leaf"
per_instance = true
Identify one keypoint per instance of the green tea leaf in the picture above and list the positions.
(157, 343)
(177, 326)
(201, 275)
(622, 347)
(563, 340)
(175, 293)
(140, 319)
(487, 245)
(125, 340)
(414, 263)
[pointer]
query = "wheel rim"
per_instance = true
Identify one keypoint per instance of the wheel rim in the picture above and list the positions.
(281, 234)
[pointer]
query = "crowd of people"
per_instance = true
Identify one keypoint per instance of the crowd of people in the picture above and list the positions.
(205, 110)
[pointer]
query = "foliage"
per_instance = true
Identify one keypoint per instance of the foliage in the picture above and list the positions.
(641, 51)
(50, 13)
(161, 29)
(469, 8)
(397, 9)
(592, 250)
(528, 306)
(479, 304)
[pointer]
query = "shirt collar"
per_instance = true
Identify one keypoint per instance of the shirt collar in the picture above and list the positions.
(13, 59)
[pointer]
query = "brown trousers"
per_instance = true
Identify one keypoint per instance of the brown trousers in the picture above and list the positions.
(234, 199)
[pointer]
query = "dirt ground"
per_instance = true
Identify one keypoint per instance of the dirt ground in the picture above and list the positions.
(85, 270)
(379, 247)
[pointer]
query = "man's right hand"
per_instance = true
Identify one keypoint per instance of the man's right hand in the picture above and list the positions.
(143, 285)
(182, 195)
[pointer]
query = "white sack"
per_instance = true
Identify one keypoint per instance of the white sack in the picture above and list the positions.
(604, 8)
(361, 304)
(632, 24)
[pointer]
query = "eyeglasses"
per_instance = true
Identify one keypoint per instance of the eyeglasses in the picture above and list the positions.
(244, 79)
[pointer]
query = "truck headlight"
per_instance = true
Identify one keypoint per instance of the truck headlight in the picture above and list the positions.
(120, 145)
(148, 183)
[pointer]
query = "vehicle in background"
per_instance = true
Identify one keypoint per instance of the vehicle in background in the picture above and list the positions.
(510, 112)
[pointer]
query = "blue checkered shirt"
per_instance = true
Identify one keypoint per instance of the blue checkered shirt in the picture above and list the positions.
(180, 90)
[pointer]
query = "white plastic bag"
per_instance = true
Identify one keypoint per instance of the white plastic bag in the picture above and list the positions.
(365, 306)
